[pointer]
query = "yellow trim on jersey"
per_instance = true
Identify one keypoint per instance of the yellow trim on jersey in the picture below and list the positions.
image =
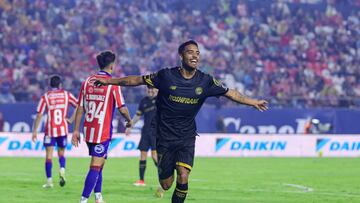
(148, 80)
(184, 165)
(183, 191)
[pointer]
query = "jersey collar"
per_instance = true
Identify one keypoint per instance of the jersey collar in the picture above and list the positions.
(104, 73)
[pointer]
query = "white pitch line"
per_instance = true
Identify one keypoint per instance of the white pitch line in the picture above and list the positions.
(301, 187)
(337, 194)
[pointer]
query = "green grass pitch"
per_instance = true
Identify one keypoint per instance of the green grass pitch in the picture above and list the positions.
(213, 180)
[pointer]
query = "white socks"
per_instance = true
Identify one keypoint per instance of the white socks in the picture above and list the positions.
(84, 200)
(98, 196)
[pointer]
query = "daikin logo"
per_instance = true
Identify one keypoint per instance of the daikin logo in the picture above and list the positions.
(320, 143)
(220, 142)
(250, 145)
(2, 140)
(337, 145)
(121, 143)
(114, 142)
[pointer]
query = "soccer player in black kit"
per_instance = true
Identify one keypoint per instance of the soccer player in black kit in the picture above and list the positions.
(147, 108)
(182, 91)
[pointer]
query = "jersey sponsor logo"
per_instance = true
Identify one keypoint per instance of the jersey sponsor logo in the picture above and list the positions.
(95, 97)
(183, 100)
(99, 90)
(99, 148)
(47, 140)
(172, 87)
(56, 95)
(57, 106)
(91, 90)
(199, 90)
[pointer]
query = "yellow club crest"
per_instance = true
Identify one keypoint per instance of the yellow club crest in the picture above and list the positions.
(199, 90)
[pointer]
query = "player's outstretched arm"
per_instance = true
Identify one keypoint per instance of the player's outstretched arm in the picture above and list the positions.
(75, 140)
(236, 96)
(124, 81)
(36, 126)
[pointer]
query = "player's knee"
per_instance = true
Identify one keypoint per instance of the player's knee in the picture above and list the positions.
(183, 177)
(166, 185)
(61, 154)
(95, 167)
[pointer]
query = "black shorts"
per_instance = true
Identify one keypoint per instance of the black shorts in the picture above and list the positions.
(175, 153)
(147, 141)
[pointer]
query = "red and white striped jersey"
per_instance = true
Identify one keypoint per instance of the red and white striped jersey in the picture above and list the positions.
(99, 103)
(56, 103)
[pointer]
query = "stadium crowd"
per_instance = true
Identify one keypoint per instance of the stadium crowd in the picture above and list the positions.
(292, 53)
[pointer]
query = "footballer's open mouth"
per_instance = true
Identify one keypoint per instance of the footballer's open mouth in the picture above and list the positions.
(193, 62)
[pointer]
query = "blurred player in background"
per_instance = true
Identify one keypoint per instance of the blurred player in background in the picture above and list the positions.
(98, 103)
(147, 108)
(182, 92)
(56, 103)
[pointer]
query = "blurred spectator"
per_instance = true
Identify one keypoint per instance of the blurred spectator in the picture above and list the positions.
(314, 126)
(284, 50)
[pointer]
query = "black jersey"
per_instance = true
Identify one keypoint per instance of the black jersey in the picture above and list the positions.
(180, 99)
(147, 107)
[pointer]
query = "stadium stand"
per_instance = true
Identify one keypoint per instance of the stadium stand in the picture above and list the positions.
(295, 53)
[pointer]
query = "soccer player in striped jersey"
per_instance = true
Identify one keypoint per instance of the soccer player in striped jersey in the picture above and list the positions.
(98, 104)
(56, 103)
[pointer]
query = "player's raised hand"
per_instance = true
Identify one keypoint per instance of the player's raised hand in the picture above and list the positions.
(34, 137)
(75, 140)
(261, 105)
(100, 82)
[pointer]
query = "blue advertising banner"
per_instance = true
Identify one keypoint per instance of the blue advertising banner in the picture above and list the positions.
(242, 120)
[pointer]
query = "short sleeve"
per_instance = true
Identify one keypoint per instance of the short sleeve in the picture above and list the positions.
(153, 79)
(72, 99)
(216, 88)
(119, 99)
(81, 95)
(41, 106)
